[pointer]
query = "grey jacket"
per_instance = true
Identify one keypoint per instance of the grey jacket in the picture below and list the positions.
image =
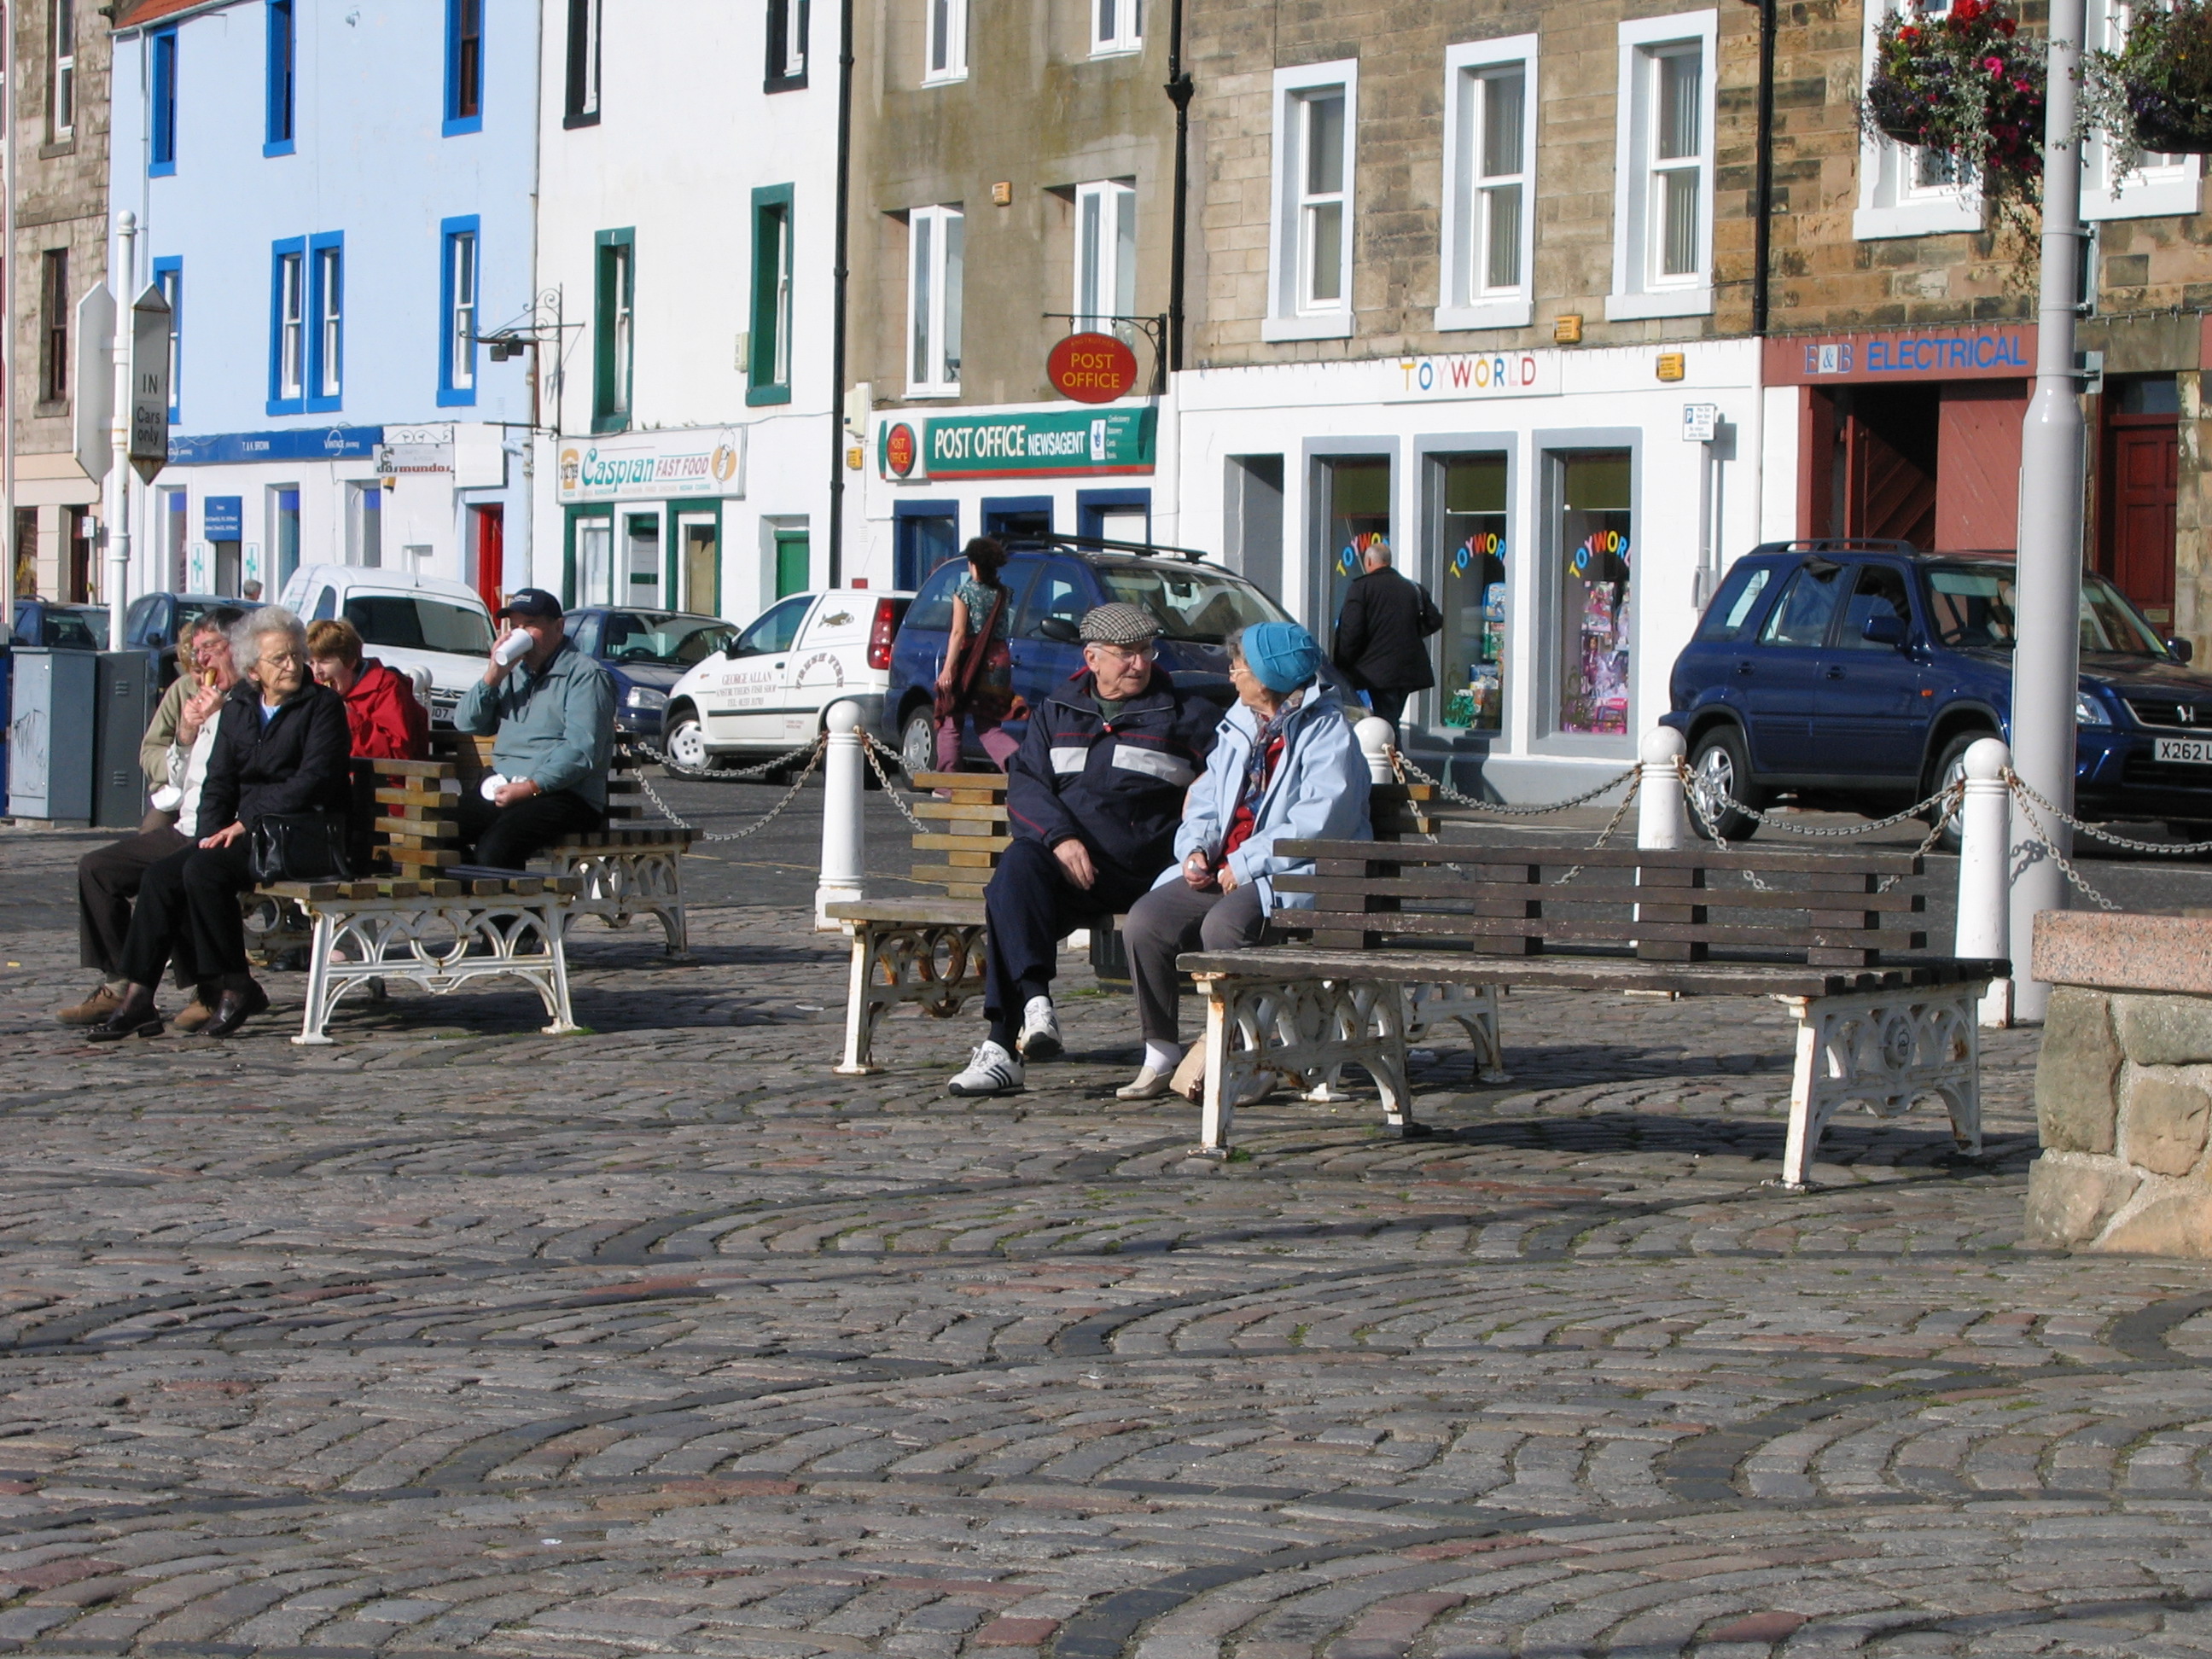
(555, 727)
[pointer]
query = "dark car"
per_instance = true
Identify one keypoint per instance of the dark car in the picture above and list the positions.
(1856, 674)
(157, 621)
(646, 652)
(1053, 581)
(63, 626)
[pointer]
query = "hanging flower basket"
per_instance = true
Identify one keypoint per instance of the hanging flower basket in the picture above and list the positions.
(2155, 94)
(1965, 85)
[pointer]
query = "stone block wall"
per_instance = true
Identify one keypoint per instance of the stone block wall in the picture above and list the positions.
(2123, 1104)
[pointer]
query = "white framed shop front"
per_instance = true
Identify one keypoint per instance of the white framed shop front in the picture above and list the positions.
(1548, 500)
(645, 520)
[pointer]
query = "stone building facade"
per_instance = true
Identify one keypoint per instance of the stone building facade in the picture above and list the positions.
(60, 99)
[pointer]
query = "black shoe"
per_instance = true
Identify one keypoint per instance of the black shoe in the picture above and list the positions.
(137, 1017)
(234, 1009)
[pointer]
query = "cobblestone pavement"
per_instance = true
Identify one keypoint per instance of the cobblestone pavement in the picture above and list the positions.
(662, 1338)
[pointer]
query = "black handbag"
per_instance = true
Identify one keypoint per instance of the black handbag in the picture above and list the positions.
(298, 847)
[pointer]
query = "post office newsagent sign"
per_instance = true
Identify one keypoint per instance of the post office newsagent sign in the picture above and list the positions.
(653, 466)
(1051, 444)
(1469, 374)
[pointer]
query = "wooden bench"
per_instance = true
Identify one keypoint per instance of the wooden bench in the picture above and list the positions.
(1821, 933)
(632, 868)
(928, 951)
(432, 921)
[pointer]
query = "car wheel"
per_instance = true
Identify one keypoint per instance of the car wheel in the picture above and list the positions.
(684, 752)
(1951, 769)
(1720, 771)
(918, 745)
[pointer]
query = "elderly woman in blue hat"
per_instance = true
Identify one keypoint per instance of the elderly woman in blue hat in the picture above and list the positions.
(1284, 765)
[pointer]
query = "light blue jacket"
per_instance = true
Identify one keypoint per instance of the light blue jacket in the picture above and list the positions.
(1318, 793)
(555, 727)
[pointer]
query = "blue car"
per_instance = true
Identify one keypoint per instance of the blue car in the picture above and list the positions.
(1855, 675)
(645, 652)
(1054, 581)
(62, 626)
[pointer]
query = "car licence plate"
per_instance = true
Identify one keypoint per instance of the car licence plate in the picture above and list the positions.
(2195, 751)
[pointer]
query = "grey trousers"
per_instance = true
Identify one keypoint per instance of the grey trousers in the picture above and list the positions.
(1171, 919)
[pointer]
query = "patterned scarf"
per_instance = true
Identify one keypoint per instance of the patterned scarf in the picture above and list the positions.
(1255, 766)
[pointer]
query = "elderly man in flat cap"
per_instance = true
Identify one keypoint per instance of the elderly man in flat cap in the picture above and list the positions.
(1093, 796)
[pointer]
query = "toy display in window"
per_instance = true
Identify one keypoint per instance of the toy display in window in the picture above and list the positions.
(1594, 692)
(1474, 642)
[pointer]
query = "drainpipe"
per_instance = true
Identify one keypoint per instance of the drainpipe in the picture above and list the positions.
(15, 333)
(1763, 191)
(837, 295)
(1179, 90)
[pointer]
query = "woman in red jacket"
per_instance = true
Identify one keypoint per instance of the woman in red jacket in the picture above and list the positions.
(387, 722)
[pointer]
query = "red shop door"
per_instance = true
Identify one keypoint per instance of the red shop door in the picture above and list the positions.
(490, 562)
(2142, 465)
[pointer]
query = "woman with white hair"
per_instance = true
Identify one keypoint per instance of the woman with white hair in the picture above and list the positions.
(282, 745)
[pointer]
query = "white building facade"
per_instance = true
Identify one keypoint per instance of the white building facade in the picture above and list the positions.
(686, 228)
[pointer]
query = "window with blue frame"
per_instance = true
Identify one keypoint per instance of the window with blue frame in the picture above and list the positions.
(457, 305)
(464, 66)
(162, 140)
(283, 57)
(288, 326)
(169, 277)
(326, 306)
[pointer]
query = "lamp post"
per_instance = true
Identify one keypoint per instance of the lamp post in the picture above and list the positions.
(2046, 649)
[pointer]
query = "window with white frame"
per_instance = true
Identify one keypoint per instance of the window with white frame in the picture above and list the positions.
(1311, 238)
(934, 236)
(61, 96)
(291, 323)
(2159, 185)
(1904, 190)
(1105, 253)
(945, 50)
(1489, 188)
(1663, 242)
(329, 347)
(1116, 26)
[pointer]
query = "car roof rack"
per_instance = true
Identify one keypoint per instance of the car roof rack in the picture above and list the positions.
(1030, 542)
(1838, 544)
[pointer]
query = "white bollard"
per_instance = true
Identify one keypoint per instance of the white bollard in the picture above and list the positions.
(1662, 821)
(1377, 739)
(844, 842)
(1984, 899)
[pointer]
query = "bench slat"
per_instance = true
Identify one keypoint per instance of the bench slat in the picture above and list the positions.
(1847, 865)
(1585, 972)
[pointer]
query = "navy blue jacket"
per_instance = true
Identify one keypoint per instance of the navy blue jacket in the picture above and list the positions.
(298, 761)
(1117, 787)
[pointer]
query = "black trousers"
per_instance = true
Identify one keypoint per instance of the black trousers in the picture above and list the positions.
(1388, 705)
(188, 914)
(1029, 907)
(108, 879)
(508, 837)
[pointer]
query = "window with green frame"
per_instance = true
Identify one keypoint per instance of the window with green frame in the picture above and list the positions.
(614, 293)
(768, 372)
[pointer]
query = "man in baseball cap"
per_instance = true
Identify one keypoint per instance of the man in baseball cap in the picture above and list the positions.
(1093, 799)
(553, 711)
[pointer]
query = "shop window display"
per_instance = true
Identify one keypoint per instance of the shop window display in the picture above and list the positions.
(1470, 566)
(1358, 495)
(1595, 557)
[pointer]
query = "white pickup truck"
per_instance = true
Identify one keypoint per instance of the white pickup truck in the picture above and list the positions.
(767, 690)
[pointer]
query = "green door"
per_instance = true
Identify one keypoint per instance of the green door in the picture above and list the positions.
(791, 563)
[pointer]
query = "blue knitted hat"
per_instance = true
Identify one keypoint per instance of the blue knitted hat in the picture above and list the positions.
(1281, 655)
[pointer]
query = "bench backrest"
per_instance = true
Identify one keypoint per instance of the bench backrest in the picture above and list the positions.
(417, 814)
(1824, 909)
(470, 756)
(973, 815)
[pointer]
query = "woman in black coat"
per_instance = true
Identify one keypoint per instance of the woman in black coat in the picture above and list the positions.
(282, 745)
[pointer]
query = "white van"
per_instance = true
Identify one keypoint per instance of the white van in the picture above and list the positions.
(406, 621)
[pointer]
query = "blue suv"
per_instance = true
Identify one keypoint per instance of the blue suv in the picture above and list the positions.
(1053, 581)
(1855, 674)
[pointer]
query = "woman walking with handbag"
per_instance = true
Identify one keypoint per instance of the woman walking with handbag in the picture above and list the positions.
(277, 783)
(977, 680)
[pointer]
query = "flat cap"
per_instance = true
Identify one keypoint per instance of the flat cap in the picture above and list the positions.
(1120, 624)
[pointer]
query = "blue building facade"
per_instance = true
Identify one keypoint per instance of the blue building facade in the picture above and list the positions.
(338, 199)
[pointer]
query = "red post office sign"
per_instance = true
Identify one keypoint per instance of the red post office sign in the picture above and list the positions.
(899, 450)
(1092, 368)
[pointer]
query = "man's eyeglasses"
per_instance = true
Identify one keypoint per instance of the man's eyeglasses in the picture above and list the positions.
(1146, 652)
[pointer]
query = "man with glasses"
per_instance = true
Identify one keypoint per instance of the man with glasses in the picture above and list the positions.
(1093, 798)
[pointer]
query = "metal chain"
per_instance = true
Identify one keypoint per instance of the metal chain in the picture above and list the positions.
(2022, 793)
(1612, 824)
(813, 753)
(870, 744)
(1406, 767)
(760, 771)
(1949, 796)
(2172, 849)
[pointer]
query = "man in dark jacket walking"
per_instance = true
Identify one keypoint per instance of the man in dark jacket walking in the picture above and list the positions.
(1093, 798)
(1381, 634)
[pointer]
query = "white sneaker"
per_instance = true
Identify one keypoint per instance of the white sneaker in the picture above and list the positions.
(1152, 1083)
(991, 1071)
(1040, 1038)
